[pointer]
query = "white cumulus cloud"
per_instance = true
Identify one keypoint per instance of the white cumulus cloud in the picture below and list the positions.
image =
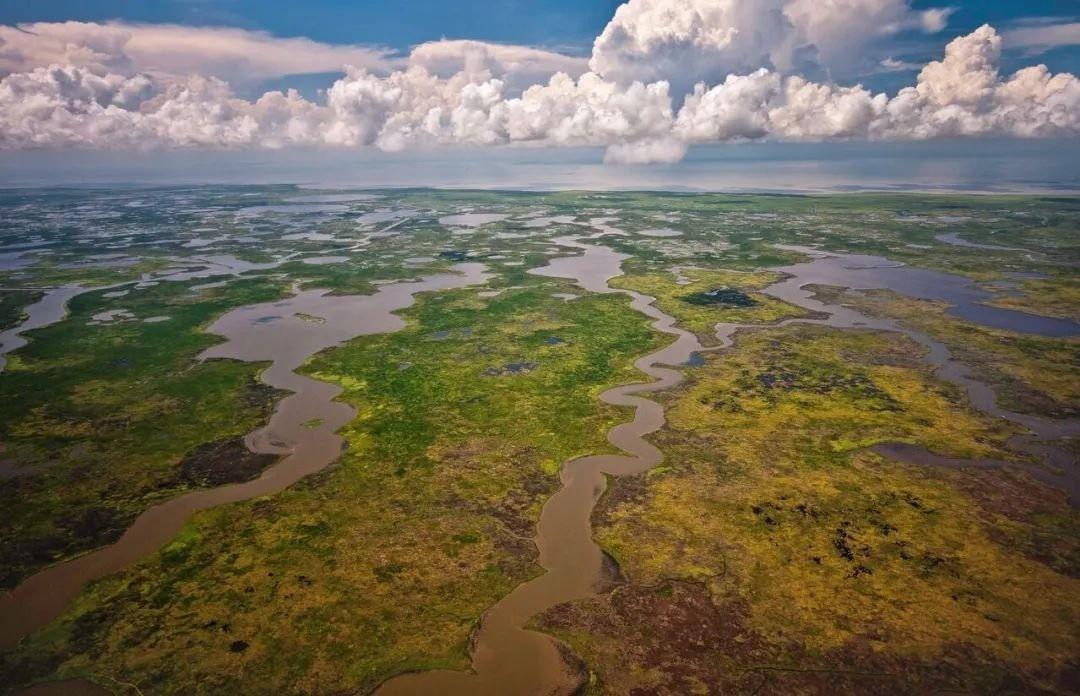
(961, 95)
(235, 55)
(246, 57)
(688, 41)
(964, 95)
(518, 66)
(104, 89)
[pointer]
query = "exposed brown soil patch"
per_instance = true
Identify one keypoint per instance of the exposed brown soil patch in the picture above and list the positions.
(261, 396)
(518, 508)
(620, 491)
(672, 630)
(1006, 492)
(610, 574)
(826, 294)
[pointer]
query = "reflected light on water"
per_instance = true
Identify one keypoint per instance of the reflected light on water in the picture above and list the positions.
(948, 165)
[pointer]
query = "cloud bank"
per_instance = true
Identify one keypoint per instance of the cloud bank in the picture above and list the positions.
(664, 74)
(168, 50)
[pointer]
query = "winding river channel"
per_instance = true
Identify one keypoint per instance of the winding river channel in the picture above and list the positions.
(507, 658)
(51, 308)
(285, 334)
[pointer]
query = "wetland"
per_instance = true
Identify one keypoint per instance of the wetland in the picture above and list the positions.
(458, 442)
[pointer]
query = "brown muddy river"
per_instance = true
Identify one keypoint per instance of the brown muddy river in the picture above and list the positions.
(507, 658)
(286, 343)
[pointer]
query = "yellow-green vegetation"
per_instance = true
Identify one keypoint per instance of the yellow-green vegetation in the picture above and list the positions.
(1058, 297)
(678, 298)
(385, 562)
(807, 551)
(772, 552)
(1031, 373)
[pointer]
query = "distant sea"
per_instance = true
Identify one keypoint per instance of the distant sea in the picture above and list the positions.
(984, 166)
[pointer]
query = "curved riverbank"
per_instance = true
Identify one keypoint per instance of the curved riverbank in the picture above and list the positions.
(1058, 465)
(48, 310)
(507, 658)
(280, 333)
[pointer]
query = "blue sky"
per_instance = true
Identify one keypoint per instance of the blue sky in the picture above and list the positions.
(398, 24)
(565, 25)
(402, 23)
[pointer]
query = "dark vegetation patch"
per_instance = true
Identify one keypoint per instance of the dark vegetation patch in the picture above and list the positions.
(12, 306)
(98, 524)
(721, 297)
(673, 638)
(511, 368)
(696, 359)
(225, 461)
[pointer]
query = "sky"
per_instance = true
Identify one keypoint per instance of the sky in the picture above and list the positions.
(572, 24)
(646, 79)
